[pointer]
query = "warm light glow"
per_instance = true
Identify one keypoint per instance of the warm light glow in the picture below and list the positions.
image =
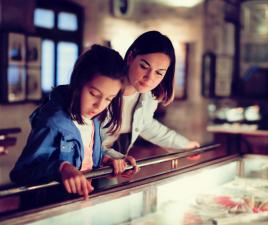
(180, 3)
(184, 188)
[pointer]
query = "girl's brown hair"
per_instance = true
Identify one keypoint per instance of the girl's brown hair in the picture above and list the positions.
(95, 61)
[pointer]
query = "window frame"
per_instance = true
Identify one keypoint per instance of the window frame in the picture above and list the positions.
(57, 35)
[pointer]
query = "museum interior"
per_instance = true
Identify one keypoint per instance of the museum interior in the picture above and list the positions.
(220, 101)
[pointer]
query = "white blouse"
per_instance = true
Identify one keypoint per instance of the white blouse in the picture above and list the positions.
(129, 103)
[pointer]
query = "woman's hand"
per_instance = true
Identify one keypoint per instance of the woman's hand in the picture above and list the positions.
(130, 173)
(120, 165)
(192, 145)
(74, 181)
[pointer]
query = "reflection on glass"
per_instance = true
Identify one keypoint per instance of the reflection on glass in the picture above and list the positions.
(33, 84)
(180, 77)
(67, 21)
(16, 83)
(165, 201)
(44, 18)
(47, 72)
(67, 55)
(16, 49)
(125, 208)
(33, 51)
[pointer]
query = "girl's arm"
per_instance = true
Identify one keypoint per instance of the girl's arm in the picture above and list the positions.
(74, 180)
(39, 161)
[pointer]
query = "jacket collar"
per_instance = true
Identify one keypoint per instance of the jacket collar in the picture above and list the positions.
(143, 98)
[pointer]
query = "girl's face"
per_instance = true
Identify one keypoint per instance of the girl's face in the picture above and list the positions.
(97, 94)
(147, 71)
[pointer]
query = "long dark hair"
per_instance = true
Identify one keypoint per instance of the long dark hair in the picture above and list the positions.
(93, 62)
(155, 42)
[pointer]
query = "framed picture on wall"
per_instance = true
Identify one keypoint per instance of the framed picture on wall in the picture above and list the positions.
(34, 91)
(33, 51)
(16, 49)
(122, 8)
(224, 75)
(254, 52)
(256, 18)
(181, 71)
(16, 77)
(208, 74)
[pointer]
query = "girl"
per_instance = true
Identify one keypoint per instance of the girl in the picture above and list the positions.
(65, 137)
(150, 63)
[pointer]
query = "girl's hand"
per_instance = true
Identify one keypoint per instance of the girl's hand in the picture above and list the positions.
(74, 181)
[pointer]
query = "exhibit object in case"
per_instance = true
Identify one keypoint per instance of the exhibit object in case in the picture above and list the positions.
(225, 190)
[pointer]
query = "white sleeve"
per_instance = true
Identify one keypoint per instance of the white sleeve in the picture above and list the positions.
(107, 142)
(113, 153)
(159, 134)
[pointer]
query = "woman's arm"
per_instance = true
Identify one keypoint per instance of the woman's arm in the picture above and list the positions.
(161, 135)
(107, 141)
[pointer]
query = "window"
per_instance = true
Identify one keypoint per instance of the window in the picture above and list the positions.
(67, 53)
(44, 18)
(67, 21)
(47, 70)
(60, 27)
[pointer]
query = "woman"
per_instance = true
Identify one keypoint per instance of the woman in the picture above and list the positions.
(65, 138)
(150, 64)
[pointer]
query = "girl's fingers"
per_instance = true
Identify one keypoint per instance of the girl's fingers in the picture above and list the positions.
(67, 186)
(89, 186)
(78, 184)
(84, 188)
(72, 185)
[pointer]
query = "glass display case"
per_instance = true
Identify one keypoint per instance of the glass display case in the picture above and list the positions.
(226, 190)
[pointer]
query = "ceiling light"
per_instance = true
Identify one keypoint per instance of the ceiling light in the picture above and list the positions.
(180, 3)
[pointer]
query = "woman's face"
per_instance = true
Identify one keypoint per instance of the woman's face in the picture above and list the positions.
(97, 94)
(147, 71)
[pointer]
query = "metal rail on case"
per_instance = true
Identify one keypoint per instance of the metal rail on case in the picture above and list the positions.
(106, 171)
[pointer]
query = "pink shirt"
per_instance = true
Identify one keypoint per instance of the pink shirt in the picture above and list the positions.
(87, 135)
(87, 163)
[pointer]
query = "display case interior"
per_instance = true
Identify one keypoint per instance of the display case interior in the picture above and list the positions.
(226, 190)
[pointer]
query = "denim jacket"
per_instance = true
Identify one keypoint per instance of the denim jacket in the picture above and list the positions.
(54, 138)
(147, 127)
